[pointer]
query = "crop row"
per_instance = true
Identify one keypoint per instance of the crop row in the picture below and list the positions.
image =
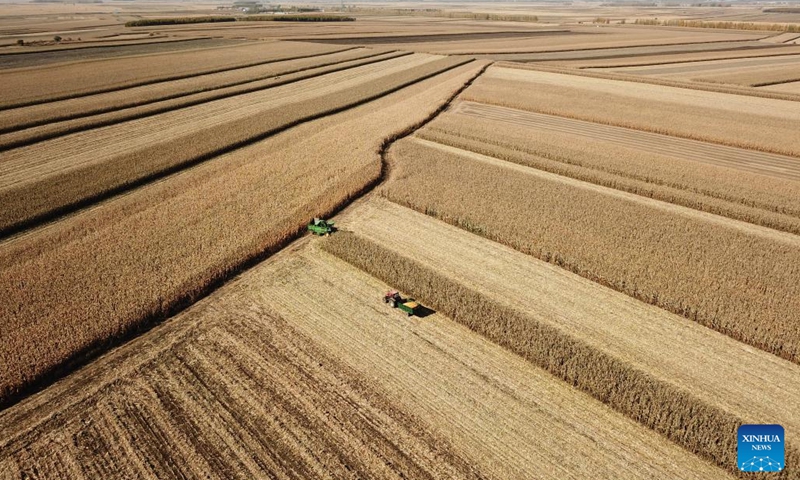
(697, 426)
(54, 195)
(737, 279)
(125, 105)
(52, 112)
(79, 79)
(758, 199)
(765, 125)
(94, 278)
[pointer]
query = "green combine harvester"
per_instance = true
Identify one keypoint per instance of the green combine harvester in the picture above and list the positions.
(319, 226)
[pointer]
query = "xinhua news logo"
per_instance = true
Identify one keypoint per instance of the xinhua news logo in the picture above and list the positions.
(761, 448)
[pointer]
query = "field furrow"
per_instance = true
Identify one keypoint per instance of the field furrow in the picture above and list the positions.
(166, 244)
(670, 367)
(634, 244)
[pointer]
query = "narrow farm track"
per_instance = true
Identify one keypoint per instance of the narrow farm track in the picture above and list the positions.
(51, 112)
(298, 368)
(715, 370)
(769, 164)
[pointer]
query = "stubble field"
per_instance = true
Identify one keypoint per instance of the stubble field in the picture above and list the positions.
(600, 219)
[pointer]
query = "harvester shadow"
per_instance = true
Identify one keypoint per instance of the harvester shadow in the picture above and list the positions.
(423, 311)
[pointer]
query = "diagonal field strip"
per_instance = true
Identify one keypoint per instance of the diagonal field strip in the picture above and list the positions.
(719, 371)
(58, 111)
(779, 166)
(99, 119)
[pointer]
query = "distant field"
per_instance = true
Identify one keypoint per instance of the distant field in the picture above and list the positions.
(38, 59)
(697, 115)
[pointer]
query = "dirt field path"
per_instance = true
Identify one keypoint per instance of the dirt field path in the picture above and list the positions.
(773, 165)
(709, 365)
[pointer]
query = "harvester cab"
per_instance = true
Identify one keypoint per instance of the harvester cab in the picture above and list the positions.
(319, 226)
(393, 298)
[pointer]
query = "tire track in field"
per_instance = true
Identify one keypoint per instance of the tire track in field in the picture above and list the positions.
(762, 163)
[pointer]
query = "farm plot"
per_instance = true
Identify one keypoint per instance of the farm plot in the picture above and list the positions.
(59, 82)
(92, 278)
(56, 55)
(698, 175)
(747, 72)
(52, 112)
(792, 87)
(51, 177)
(763, 124)
(683, 57)
(683, 380)
(631, 53)
(298, 368)
(631, 243)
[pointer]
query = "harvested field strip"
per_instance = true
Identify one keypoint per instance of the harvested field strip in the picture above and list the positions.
(756, 199)
(636, 245)
(49, 131)
(52, 112)
(47, 57)
(678, 378)
(600, 74)
(793, 87)
(760, 78)
(689, 70)
(442, 370)
(450, 37)
(778, 166)
(634, 51)
(258, 381)
(127, 73)
(760, 124)
(158, 148)
(102, 274)
(244, 395)
(669, 59)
